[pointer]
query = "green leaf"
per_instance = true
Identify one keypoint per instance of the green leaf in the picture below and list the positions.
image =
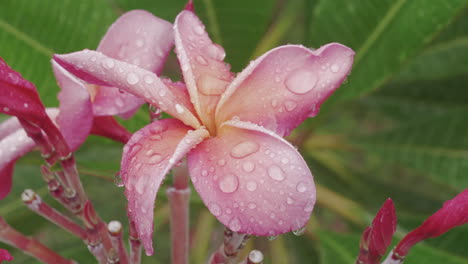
(384, 34)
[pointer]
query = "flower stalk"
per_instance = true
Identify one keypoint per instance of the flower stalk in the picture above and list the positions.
(29, 245)
(115, 231)
(135, 244)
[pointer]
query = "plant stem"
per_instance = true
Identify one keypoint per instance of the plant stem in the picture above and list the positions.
(179, 198)
(29, 245)
(115, 231)
(35, 203)
(135, 244)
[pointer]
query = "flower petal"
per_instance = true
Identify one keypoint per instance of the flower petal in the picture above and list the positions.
(286, 85)
(252, 180)
(19, 97)
(139, 38)
(5, 255)
(9, 126)
(12, 147)
(103, 70)
(148, 156)
(76, 115)
(203, 68)
(107, 126)
(454, 213)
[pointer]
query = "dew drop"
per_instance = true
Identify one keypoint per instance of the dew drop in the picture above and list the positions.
(274, 103)
(204, 173)
(235, 224)
(215, 51)
(132, 78)
(109, 63)
(140, 185)
(179, 108)
(155, 158)
(6, 109)
(229, 183)
(198, 29)
(201, 60)
(210, 85)
(300, 231)
(289, 200)
(251, 186)
(248, 166)
(148, 79)
(309, 207)
(244, 149)
(301, 81)
(215, 209)
(134, 149)
(221, 162)
(26, 105)
(118, 180)
(335, 68)
(290, 105)
(285, 161)
(276, 173)
(252, 206)
(119, 102)
(140, 43)
(301, 187)
(271, 238)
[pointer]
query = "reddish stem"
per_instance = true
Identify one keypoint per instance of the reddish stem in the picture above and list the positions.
(135, 244)
(115, 231)
(179, 205)
(29, 245)
(35, 203)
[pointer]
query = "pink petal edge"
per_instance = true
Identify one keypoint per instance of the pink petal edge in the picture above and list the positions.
(283, 87)
(252, 180)
(148, 156)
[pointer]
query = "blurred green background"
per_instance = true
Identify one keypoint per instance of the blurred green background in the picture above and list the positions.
(397, 127)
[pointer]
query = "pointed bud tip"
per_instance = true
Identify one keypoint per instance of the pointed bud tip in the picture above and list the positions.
(189, 6)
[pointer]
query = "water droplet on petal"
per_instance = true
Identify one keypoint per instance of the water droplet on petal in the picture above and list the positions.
(309, 207)
(148, 79)
(235, 224)
(335, 68)
(252, 206)
(289, 200)
(140, 43)
(276, 173)
(140, 184)
(118, 180)
(300, 231)
(215, 52)
(215, 209)
(244, 149)
(132, 78)
(271, 238)
(301, 81)
(221, 162)
(251, 186)
(201, 60)
(301, 187)
(155, 158)
(134, 149)
(204, 173)
(109, 63)
(210, 85)
(179, 108)
(198, 29)
(290, 105)
(248, 166)
(229, 183)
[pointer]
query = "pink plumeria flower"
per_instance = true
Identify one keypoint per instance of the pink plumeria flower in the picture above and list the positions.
(378, 236)
(5, 255)
(80, 101)
(230, 127)
(453, 213)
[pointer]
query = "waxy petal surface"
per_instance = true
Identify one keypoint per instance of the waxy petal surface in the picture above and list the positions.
(138, 38)
(202, 63)
(107, 126)
(97, 68)
(453, 213)
(286, 85)
(148, 156)
(252, 180)
(12, 147)
(76, 114)
(9, 126)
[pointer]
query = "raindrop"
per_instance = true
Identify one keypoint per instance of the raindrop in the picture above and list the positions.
(140, 43)
(198, 29)
(301, 81)
(179, 108)
(244, 149)
(215, 52)
(248, 166)
(148, 79)
(134, 149)
(301, 187)
(235, 224)
(251, 186)
(26, 105)
(215, 209)
(335, 68)
(221, 162)
(290, 105)
(309, 207)
(276, 173)
(210, 85)
(204, 173)
(277, 78)
(185, 67)
(285, 160)
(252, 206)
(201, 60)
(289, 200)
(6, 109)
(132, 78)
(229, 183)
(271, 238)
(119, 102)
(155, 158)
(109, 63)
(274, 102)
(118, 180)
(140, 185)
(300, 231)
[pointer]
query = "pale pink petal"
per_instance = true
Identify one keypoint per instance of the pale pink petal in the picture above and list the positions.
(203, 68)
(180, 92)
(252, 180)
(12, 147)
(148, 156)
(76, 114)
(139, 38)
(97, 68)
(9, 126)
(286, 85)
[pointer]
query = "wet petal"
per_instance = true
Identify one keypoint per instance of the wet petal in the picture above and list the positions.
(12, 147)
(9, 126)
(286, 85)
(95, 67)
(5, 255)
(107, 126)
(19, 97)
(76, 115)
(202, 63)
(139, 38)
(147, 158)
(252, 180)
